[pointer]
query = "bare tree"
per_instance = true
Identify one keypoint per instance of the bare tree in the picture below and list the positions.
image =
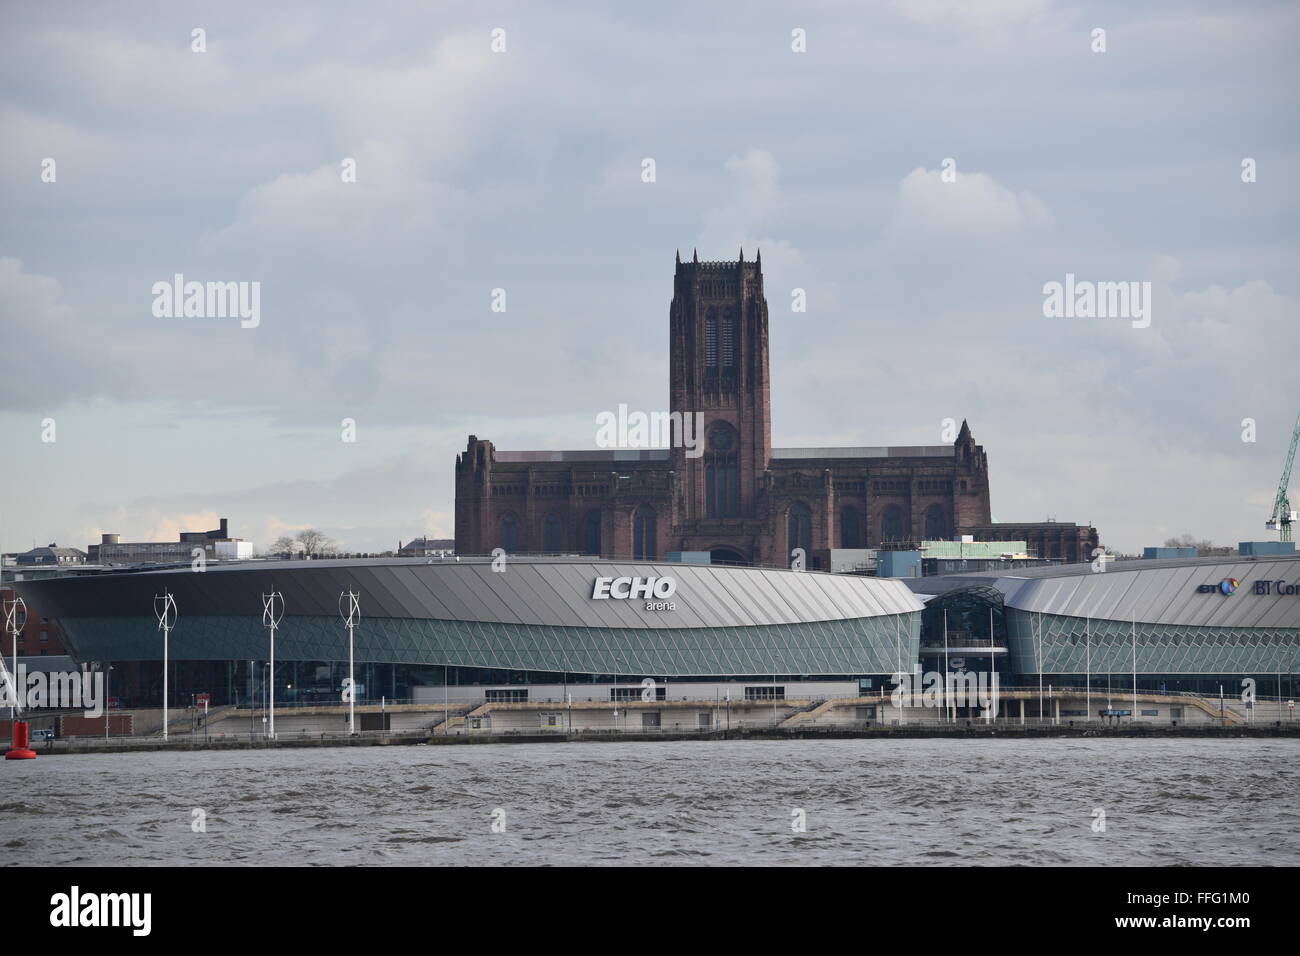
(284, 546)
(1202, 545)
(312, 542)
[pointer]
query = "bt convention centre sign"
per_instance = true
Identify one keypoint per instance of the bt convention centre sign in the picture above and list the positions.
(1229, 586)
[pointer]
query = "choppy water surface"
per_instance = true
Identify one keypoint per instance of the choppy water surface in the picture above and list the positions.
(1181, 801)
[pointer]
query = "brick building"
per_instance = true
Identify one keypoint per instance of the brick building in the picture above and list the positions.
(1061, 541)
(38, 637)
(741, 499)
(216, 543)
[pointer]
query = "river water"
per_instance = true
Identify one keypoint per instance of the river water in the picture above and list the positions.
(864, 802)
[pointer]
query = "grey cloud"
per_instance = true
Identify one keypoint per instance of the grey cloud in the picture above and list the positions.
(521, 171)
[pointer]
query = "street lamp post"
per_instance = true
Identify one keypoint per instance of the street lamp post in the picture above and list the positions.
(774, 693)
(164, 608)
(1135, 669)
(1039, 631)
(945, 664)
(568, 698)
(108, 671)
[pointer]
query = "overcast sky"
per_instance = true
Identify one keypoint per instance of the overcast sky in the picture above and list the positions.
(522, 170)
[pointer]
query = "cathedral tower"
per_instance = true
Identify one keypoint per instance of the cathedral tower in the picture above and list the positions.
(719, 367)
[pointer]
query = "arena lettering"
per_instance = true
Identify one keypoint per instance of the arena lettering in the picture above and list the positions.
(636, 589)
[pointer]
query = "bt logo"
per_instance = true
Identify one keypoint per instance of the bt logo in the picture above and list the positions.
(1224, 587)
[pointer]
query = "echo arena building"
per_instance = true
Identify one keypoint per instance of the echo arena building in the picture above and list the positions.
(469, 629)
(469, 624)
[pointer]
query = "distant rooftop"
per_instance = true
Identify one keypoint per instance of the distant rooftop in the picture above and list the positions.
(1011, 525)
(51, 554)
(587, 454)
(1085, 568)
(974, 550)
(778, 454)
(869, 451)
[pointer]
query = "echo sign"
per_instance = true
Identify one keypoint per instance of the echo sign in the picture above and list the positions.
(654, 591)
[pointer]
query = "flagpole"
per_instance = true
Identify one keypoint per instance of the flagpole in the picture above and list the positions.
(906, 701)
(993, 668)
(945, 664)
(1135, 667)
(1087, 643)
(1040, 667)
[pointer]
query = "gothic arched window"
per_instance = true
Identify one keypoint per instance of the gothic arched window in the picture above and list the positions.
(799, 528)
(711, 338)
(552, 535)
(936, 523)
(728, 338)
(721, 473)
(643, 535)
(510, 532)
(591, 533)
(891, 524)
(850, 528)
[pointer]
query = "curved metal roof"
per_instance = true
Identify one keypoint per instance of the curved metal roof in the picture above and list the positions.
(542, 592)
(986, 591)
(1153, 592)
(1169, 595)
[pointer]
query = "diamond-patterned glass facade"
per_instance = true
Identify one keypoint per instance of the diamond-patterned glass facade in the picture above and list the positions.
(1075, 645)
(874, 645)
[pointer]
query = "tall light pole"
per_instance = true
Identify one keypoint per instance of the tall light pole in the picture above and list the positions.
(993, 671)
(164, 608)
(350, 609)
(1040, 669)
(1135, 669)
(904, 698)
(773, 695)
(272, 612)
(945, 664)
(565, 690)
(107, 671)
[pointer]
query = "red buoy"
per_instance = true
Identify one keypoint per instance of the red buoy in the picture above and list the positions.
(21, 751)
